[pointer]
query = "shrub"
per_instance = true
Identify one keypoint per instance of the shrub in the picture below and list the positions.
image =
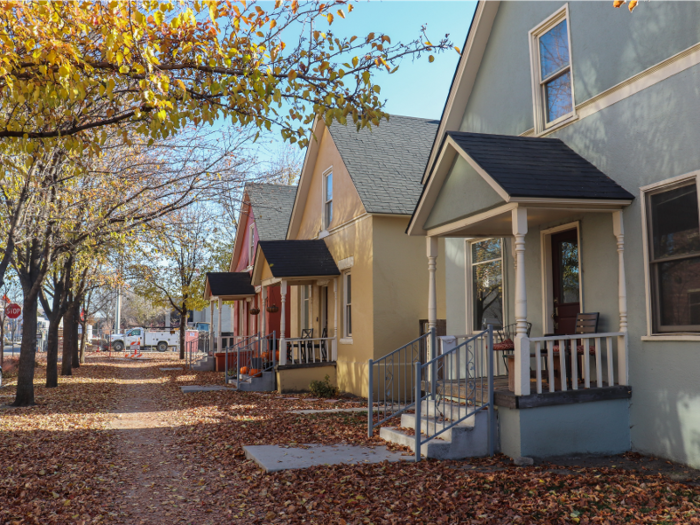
(324, 388)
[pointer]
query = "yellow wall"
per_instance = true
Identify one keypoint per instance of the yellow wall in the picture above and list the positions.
(298, 379)
(346, 200)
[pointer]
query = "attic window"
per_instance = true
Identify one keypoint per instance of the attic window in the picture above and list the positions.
(327, 199)
(552, 83)
(251, 245)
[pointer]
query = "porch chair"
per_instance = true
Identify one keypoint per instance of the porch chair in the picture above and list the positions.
(506, 340)
(586, 323)
(323, 346)
(306, 347)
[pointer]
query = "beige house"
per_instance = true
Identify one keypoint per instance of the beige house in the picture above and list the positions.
(358, 283)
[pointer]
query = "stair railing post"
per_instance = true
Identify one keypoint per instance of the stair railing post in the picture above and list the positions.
(418, 409)
(226, 368)
(433, 367)
(370, 399)
(491, 413)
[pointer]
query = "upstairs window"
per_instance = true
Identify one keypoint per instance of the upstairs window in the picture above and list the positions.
(551, 71)
(327, 200)
(251, 245)
(347, 280)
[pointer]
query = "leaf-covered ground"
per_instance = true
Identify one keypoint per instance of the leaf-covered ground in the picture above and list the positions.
(119, 443)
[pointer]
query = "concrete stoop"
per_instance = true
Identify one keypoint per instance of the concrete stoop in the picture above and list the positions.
(206, 364)
(266, 383)
(469, 438)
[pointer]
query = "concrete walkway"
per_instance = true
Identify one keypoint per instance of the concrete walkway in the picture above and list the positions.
(273, 458)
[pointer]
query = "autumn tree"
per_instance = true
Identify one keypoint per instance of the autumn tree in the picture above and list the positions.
(176, 257)
(72, 68)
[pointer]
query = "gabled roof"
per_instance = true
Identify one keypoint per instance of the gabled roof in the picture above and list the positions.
(228, 285)
(537, 167)
(298, 258)
(272, 206)
(386, 163)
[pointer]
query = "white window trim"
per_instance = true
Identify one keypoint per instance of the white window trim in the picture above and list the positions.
(541, 126)
(643, 191)
(325, 227)
(251, 244)
(547, 272)
(469, 284)
(347, 337)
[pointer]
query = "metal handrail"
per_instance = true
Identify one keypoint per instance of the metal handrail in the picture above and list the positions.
(404, 402)
(236, 346)
(432, 368)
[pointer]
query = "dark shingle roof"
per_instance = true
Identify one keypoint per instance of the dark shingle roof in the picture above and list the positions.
(386, 163)
(299, 258)
(538, 167)
(230, 283)
(272, 207)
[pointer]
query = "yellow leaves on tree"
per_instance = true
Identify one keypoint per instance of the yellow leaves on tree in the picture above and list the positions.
(631, 5)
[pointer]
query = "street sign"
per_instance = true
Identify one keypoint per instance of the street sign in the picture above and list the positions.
(13, 310)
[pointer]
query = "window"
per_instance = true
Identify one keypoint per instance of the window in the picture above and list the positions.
(674, 252)
(551, 71)
(347, 285)
(251, 245)
(305, 307)
(487, 282)
(327, 200)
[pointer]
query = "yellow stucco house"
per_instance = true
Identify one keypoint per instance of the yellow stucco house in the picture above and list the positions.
(357, 282)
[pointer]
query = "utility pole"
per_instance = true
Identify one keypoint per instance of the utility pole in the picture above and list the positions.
(118, 312)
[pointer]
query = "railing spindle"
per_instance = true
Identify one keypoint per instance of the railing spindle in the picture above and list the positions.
(562, 364)
(587, 364)
(538, 364)
(574, 364)
(611, 371)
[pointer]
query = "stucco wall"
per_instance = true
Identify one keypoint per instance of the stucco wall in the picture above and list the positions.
(299, 379)
(607, 47)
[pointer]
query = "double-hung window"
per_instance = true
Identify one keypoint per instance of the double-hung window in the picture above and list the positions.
(347, 303)
(251, 245)
(327, 199)
(551, 71)
(486, 257)
(673, 227)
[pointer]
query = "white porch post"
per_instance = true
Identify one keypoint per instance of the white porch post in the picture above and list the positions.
(522, 343)
(218, 340)
(432, 252)
(263, 312)
(283, 310)
(211, 325)
(335, 318)
(622, 344)
(233, 314)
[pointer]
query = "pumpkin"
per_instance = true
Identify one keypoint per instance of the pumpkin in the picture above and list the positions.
(277, 355)
(244, 370)
(255, 372)
(265, 355)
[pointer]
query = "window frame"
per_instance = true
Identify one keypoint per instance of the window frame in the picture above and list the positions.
(469, 282)
(653, 307)
(325, 202)
(347, 306)
(251, 244)
(538, 84)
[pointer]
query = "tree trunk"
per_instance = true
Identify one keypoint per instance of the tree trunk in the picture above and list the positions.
(75, 354)
(183, 327)
(67, 359)
(27, 355)
(52, 353)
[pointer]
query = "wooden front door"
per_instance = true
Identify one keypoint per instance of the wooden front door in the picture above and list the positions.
(565, 285)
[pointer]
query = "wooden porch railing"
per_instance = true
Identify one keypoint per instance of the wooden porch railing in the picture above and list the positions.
(580, 348)
(306, 350)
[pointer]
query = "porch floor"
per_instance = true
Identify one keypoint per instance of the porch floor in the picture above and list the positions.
(505, 398)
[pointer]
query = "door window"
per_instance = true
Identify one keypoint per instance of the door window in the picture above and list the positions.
(566, 279)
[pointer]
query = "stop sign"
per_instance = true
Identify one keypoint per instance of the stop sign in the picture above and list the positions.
(13, 310)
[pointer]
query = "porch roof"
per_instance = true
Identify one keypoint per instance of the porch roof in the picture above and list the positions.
(228, 286)
(294, 260)
(509, 172)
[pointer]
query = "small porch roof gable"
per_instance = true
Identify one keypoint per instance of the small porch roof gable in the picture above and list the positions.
(294, 260)
(228, 286)
(527, 170)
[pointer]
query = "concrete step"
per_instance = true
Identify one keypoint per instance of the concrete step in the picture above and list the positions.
(444, 409)
(465, 440)
(266, 383)
(206, 364)
(435, 425)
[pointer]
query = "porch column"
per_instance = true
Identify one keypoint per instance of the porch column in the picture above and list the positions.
(335, 318)
(432, 252)
(263, 312)
(622, 344)
(522, 343)
(211, 325)
(218, 341)
(283, 310)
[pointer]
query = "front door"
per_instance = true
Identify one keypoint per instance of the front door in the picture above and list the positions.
(324, 310)
(565, 285)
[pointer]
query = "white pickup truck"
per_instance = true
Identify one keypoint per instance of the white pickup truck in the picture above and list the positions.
(142, 338)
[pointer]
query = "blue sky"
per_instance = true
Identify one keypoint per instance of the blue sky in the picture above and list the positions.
(418, 88)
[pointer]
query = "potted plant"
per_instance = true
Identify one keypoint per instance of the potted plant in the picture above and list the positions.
(255, 311)
(273, 309)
